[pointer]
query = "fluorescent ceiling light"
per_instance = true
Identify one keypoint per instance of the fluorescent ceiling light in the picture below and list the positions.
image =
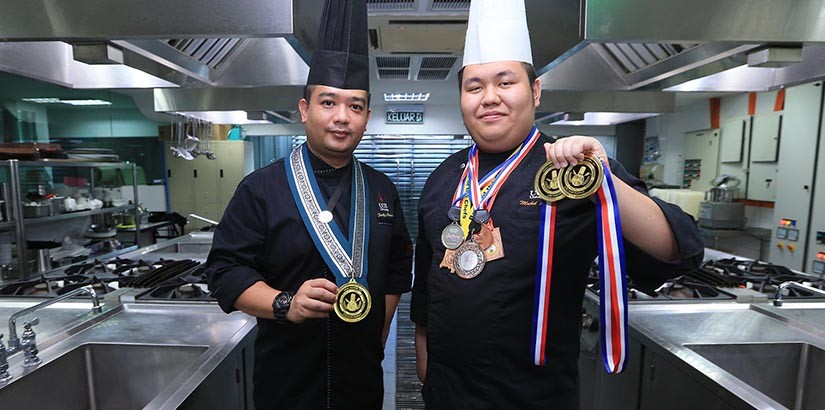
(85, 102)
(50, 100)
(44, 100)
(607, 118)
(406, 97)
(223, 117)
(738, 79)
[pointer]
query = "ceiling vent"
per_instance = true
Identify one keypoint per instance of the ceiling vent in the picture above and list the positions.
(632, 57)
(423, 36)
(450, 5)
(435, 68)
(393, 68)
(390, 5)
(212, 52)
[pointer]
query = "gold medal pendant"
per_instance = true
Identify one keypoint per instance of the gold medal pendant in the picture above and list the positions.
(581, 180)
(353, 302)
(547, 183)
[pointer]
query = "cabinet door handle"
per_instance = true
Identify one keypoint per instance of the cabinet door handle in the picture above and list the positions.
(195, 172)
(168, 173)
(221, 173)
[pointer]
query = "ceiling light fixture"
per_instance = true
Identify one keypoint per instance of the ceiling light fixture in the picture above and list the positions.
(42, 100)
(85, 102)
(50, 100)
(406, 97)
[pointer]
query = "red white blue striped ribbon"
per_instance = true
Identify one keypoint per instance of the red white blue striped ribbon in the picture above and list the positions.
(544, 272)
(613, 293)
(495, 178)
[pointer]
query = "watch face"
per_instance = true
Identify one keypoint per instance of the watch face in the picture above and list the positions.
(282, 302)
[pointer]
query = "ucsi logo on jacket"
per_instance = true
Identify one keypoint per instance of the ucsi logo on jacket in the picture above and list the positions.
(532, 200)
(384, 216)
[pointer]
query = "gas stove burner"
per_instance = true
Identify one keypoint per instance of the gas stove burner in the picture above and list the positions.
(684, 288)
(167, 270)
(54, 286)
(189, 284)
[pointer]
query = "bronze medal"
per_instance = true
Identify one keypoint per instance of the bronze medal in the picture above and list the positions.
(452, 236)
(469, 260)
(484, 237)
(581, 180)
(496, 249)
(547, 183)
(353, 302)
(448, 260)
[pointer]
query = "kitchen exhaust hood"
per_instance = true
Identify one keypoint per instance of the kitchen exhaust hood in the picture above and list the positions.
(251, 55)
(202, 43)
(654, 45)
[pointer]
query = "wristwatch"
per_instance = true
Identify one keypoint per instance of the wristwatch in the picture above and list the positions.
(280, 306)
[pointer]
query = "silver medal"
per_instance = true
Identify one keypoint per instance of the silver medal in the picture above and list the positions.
(469, 260)
(452, 236)
(325, 217)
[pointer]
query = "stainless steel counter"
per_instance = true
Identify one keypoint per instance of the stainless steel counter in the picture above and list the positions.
(133, 354)
(749, 355)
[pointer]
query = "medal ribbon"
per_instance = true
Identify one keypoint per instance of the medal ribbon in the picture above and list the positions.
(345, 255)
(482, 194)
(613, 292)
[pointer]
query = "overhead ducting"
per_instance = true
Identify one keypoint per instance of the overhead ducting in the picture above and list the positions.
(654, 45)
(186, 43)
(254, 53)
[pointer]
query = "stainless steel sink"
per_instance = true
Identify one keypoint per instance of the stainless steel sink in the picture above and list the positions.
(102, 376)
(793, 374)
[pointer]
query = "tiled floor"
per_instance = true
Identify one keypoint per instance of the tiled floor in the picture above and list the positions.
(402, 390)
(389, 367)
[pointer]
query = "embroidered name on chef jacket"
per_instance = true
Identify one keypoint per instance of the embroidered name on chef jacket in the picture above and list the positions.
(384, 215)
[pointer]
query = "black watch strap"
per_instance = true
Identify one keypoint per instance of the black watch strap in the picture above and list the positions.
(280, 306)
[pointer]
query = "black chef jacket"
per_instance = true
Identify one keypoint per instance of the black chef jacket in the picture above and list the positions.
(262, 238)
(479, 330)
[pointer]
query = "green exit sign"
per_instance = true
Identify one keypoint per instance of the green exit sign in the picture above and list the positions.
(405, 114)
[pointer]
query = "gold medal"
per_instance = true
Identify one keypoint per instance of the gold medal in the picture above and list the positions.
(353, 302)
(547, 183)
(581, 180)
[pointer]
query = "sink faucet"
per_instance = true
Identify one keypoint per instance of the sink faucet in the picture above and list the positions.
(200, 218)
(14, 341)
(777, 301)
(29, 344)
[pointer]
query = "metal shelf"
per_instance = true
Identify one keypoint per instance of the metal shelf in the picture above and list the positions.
(71, 163)
(19, 224)
(79, 214)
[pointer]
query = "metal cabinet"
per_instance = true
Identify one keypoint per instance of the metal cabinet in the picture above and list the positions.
(701, 156)
(800, 128)
(764, 151)
(229, 385)
(733, 150)
(666, 387)
(204, 187)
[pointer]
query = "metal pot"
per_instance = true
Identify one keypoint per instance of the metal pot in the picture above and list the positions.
(128, 218)
(36, 211)
(57, 205)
